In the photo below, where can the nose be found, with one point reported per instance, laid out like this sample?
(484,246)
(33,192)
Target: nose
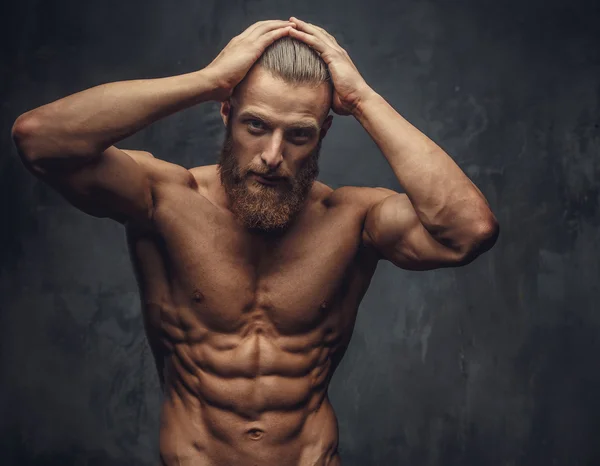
(272,156)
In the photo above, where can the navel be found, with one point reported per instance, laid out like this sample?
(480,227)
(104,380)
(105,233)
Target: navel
(255,434)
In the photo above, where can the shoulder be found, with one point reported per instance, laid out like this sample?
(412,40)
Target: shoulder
(161,171)
(204,175)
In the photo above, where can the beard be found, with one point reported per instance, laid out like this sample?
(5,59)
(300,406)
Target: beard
(265,209)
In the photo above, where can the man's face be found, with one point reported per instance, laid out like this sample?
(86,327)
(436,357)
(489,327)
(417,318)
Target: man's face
(274,129)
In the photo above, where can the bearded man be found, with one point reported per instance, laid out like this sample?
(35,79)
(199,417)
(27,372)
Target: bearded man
(251,271)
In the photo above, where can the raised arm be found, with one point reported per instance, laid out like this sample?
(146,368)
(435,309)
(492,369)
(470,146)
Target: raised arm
(443,219)
(69,143)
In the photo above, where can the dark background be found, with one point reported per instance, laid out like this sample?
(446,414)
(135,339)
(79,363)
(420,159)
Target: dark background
(495,363)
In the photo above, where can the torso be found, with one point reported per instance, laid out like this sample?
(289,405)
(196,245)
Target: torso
(246,331)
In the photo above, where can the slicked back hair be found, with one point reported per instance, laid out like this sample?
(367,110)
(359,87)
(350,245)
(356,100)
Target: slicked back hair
(295,62)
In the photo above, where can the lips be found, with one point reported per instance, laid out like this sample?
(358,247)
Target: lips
(272,180)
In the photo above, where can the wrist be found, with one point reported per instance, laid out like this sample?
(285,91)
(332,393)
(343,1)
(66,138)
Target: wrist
(365,98)
(218,89)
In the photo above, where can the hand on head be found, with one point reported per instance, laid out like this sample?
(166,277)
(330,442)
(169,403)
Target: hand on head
(349,86)
(236,59)
(238,56)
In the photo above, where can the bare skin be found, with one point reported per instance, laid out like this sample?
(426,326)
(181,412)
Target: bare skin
(249,330)
(247,327)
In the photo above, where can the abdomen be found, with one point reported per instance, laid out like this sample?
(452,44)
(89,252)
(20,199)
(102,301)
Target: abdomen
(198,432)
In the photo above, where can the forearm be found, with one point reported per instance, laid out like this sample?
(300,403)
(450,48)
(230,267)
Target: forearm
(86,123)
(444,198)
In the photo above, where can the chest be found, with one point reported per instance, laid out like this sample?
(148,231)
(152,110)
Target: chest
(225,277)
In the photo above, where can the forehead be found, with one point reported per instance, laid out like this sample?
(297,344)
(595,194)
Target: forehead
(263,93)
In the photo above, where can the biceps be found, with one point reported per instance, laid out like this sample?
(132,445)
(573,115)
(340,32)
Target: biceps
(395,231)
(111,185)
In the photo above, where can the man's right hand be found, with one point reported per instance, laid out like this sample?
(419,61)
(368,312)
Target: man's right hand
(236,59)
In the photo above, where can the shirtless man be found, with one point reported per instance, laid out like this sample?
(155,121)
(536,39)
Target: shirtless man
(250,271)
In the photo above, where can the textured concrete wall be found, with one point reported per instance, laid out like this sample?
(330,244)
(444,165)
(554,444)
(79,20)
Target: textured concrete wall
(491,364)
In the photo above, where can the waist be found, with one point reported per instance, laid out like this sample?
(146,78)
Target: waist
(196,431)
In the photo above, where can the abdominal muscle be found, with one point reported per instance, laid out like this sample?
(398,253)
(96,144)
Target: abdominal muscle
(187,436)
(247,335)
(251,398)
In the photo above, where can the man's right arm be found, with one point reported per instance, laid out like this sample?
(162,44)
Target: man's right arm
(69,143)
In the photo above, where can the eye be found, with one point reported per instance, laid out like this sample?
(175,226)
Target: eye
(255,125)
(300,134)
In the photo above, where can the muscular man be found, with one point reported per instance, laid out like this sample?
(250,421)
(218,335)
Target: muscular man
(250,271)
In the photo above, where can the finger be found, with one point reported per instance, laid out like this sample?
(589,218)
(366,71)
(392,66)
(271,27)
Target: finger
(312,29)
(324,32)
(265,26)
(268,27)
(329,35)
(249,29)
(275,23)
(315,42)
(270,37)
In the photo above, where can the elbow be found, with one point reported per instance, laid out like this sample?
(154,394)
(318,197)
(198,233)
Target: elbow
(23,131)
(489,231)
(22,126)
(42,145)
(484,237)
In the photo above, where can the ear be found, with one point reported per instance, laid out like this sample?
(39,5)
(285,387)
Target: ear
(326,125)
(225,110)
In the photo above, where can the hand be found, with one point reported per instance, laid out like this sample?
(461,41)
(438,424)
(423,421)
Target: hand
(349,85)
(238,56)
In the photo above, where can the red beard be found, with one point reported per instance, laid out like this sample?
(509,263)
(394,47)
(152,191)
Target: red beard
(268,209)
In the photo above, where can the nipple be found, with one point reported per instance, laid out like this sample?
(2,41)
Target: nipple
(255,434)
(197,296)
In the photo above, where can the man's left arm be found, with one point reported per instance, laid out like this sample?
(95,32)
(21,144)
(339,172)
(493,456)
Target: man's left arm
(443,219)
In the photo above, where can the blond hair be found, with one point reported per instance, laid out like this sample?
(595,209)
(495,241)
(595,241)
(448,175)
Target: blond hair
(295,62)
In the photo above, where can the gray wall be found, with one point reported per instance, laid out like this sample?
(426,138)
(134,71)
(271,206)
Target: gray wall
(491,364)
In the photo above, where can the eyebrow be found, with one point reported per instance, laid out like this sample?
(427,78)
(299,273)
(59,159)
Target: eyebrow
(301,124)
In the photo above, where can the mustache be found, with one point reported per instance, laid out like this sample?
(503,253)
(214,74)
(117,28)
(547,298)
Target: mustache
(280,174)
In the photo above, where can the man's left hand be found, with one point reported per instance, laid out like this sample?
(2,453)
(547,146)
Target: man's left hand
(349,86)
